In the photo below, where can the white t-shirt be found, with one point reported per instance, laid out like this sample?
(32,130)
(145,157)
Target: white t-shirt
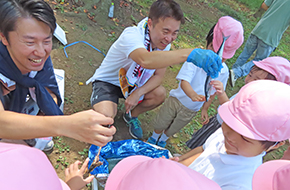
(117,57)
(229,171)
(196,77)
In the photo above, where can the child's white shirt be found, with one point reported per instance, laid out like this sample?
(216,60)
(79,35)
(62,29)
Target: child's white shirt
(229,171)
(196,77)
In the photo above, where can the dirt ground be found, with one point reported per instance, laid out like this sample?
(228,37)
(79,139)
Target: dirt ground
(87,20)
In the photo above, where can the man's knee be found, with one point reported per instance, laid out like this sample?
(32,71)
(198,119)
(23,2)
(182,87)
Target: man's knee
(106,108)
(160,94)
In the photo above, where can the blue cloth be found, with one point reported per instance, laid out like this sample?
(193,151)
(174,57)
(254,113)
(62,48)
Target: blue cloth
(240,67)
(208,60)
(122,149)
(43,78)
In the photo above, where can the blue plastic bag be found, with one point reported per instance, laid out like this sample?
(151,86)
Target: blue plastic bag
(122,149)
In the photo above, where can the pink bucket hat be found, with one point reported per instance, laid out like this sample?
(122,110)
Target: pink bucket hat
(272,175)
(277,66)
(144,173)
(260,111)
(23,167)
(227,26)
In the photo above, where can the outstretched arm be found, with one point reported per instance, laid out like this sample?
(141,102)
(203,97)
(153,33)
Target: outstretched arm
(159,59)
(85,126)
(190,156)
(208,60)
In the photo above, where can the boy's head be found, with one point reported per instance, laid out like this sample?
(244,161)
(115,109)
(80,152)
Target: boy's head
(26,29)
(226,26)
(259,113)
(271,68)
(164,21)
(30,165)
(272,175)
(142,172)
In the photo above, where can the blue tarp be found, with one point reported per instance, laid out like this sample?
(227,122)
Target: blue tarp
(122,149)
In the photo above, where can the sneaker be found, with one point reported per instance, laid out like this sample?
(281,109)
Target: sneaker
(151,140)
(232,78)
(135,128)
(49,146)
(161,144)
(30,142)
(126,117)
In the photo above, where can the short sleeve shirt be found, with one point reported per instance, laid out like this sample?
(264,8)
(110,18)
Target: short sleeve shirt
(131,39)
(196,77)
(229,171)
(274,22)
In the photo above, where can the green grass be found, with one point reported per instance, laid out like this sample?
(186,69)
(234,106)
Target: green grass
(252,4)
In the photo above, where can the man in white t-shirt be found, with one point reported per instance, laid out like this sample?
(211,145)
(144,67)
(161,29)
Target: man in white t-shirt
(143,52)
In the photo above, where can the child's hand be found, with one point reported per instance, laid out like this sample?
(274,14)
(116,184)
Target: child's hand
(74,175)
(198,98)
(219,87)
(204,116)
(176,159)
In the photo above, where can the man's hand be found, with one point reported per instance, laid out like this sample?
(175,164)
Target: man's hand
(88,126)
(132,101)
(208,60)
(74,175)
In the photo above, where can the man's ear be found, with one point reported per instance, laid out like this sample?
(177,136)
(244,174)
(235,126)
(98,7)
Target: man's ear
(3,39)
(150,23)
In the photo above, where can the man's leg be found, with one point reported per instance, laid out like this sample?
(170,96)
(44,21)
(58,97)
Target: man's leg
(250,46)
(151,100)
(104,98)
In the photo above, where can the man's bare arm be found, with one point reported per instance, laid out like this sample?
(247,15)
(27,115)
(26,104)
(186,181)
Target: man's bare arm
(85,126)
(159,59)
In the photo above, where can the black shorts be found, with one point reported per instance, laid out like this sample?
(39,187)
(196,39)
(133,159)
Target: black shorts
(104,91)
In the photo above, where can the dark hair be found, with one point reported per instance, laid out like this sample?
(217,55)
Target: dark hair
(209,36)
(12,10)
(268,144)
(269,76)
(165,8)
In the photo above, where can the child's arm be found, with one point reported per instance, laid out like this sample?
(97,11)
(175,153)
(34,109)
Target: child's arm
(220,92)
(186,87)
(74,175)
(189,157)
(204,115)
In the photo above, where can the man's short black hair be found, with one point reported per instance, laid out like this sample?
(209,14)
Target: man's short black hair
(12,10)
(165,8)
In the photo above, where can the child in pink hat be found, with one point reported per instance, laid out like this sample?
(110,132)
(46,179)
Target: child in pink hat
(145,173)
(184,102)
(272,175)
(271,68)
(27,168)
(255,121)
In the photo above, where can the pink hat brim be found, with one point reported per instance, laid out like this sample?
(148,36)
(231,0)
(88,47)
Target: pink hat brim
(233,122)
(122,169)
